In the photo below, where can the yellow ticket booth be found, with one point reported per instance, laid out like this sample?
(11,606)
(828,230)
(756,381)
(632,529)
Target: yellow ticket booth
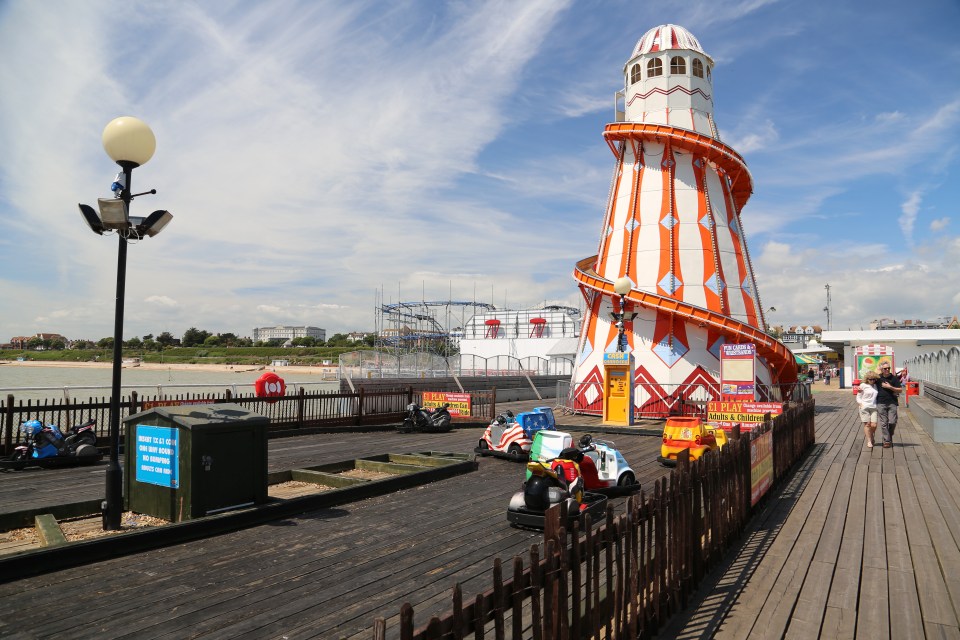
(618,388)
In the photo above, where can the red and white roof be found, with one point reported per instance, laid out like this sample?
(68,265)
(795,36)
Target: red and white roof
(667,36)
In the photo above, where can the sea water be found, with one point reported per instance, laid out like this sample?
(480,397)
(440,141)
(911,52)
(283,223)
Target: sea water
(82,383)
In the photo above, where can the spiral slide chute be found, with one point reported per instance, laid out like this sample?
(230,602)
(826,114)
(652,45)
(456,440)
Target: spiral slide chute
(779,357)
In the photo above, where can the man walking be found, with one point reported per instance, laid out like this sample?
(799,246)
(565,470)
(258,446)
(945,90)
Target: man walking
(888,390)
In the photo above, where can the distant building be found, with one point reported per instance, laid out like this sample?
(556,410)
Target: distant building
(22,342)
(943,322)
(358,336)
(262,334)
(800,335)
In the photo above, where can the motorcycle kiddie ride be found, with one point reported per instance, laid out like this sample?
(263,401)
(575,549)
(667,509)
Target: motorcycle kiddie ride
(48,447)
(426,421)
(551,483)
(604,469)
(511,437)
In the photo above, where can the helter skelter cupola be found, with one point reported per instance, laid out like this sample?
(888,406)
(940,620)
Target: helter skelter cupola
(672,226)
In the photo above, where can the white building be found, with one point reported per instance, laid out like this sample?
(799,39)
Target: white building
(288,333)
(907,344)
(540,340)
(943,322)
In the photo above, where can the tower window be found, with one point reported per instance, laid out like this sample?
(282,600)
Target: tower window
(697,67)
(655,68)
(678,66)
(709,77)
(635,74)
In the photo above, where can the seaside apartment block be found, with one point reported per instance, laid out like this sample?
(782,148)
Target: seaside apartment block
(288,333)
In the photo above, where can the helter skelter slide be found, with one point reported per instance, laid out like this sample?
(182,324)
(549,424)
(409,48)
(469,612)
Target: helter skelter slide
(672,226)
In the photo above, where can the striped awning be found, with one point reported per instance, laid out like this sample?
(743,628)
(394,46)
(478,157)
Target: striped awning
(803,358)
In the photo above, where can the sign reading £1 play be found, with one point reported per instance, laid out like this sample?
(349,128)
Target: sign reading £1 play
(727,414)
(459,402)
(158,456)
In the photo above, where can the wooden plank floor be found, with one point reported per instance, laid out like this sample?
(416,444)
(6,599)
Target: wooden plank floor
(325,574)
(859,543)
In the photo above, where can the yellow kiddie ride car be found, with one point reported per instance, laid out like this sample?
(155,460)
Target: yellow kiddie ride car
(691,434)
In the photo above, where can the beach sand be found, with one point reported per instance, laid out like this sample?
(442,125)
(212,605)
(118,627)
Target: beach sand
(326,371)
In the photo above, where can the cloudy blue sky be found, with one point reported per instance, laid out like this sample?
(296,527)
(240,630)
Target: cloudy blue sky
(315,153)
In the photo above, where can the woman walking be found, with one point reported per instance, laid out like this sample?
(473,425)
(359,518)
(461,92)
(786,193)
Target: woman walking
(867,399)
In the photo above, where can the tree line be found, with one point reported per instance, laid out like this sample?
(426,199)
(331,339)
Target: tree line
(194,337)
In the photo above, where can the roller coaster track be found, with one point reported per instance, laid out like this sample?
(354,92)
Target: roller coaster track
(779,357)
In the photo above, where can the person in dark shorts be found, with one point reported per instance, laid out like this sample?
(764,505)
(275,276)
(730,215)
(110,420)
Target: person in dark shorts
(888,391)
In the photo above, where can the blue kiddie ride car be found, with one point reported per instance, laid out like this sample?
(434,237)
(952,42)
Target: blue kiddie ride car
(510,437)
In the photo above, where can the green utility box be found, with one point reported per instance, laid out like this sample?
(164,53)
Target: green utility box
(189,461)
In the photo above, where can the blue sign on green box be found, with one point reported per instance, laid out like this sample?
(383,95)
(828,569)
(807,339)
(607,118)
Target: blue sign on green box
(158,455)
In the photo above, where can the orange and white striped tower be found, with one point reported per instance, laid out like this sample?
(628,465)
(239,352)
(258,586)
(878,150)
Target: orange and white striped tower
(672,226)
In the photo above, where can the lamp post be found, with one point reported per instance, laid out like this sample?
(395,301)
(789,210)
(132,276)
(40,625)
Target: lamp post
(828,308)
(622,286)
(130,143)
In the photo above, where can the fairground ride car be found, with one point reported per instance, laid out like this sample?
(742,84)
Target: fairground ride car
(604,469)
(689,433)
(510,437)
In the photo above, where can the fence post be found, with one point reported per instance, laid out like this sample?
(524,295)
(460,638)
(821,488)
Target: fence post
(301,401)
(358,419)
(8,426)
(406,621)
(379,629)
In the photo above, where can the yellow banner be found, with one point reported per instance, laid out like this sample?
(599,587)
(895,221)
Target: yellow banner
(719,416)
(459,402)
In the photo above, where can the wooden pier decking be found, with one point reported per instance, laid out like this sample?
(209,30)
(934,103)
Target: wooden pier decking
(323,574)
(856,544)
(860,543)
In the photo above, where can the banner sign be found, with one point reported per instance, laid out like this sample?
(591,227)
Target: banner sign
(871,357)
(616,357)
(727,414)
(459,402)
(171,403)
(761,466)
(737,371)
(158,455)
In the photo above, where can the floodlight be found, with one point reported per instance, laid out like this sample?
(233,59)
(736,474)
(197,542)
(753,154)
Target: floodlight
(155,222)
(113,213)
(91,218)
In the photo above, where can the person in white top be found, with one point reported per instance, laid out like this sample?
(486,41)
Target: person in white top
(867,399)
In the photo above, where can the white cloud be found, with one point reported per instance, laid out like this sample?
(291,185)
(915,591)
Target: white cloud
(910,207)
(939,224)
(755,137)
(162,301)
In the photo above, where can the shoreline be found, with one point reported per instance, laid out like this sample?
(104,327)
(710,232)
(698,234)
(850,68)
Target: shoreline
(322,370)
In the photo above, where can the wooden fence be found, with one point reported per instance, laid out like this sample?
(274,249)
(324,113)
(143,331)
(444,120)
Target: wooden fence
(300,412)
(627,576)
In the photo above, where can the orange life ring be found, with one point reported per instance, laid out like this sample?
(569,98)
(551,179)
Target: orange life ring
(270,386)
